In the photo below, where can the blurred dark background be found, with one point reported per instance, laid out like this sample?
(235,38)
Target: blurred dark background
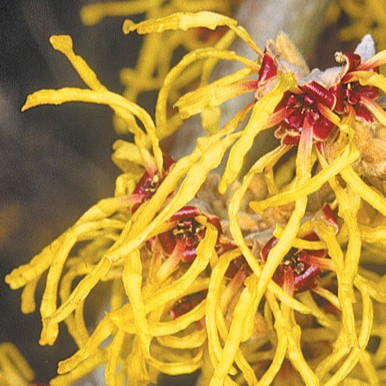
(54,162)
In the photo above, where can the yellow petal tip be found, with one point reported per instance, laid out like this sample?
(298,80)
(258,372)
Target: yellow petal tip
(61,42)
(128,26)
(90,15)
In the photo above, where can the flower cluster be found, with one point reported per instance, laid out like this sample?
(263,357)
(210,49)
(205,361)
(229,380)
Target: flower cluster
(249,282)
(323,98)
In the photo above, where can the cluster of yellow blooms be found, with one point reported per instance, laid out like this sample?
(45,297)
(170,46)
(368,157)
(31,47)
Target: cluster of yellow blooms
(262,274)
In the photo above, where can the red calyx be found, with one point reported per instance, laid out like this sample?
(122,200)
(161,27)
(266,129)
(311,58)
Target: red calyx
(351,59)
(187,231)
(295,262)
(187,303)
(299,107)
(352,91)
(268,69)
(238,265)
(301,265)
(149,183)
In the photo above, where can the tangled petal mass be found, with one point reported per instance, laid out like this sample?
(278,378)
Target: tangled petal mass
(268,271)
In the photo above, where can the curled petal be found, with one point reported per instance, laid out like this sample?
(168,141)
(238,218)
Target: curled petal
(347,157)
(186,20)
(351,60)
(14,369)
(163,123)
(64,44)
(373,197)
(127,156)
(257,122)
(179,20)
(186,366)
(268,69)
(132,281)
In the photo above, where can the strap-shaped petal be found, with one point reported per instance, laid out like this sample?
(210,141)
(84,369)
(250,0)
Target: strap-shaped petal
(257,122)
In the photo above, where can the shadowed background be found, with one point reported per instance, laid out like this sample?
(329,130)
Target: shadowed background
(54,163)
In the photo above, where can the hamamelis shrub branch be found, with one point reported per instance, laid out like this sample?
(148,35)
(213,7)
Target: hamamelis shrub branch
(261,274)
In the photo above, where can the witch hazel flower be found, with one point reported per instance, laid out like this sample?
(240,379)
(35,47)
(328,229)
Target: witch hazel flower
(149,183)
(186,232)
(178,243)
(322,97)
(300,269)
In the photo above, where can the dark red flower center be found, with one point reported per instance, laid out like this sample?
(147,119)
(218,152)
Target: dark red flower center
(301,265)
(149,183)
(187,303)
(313,98)
(297,108)
(297,262)
(187,232)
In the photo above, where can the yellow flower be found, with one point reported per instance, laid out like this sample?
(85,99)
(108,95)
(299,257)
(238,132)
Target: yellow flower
(190,287)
